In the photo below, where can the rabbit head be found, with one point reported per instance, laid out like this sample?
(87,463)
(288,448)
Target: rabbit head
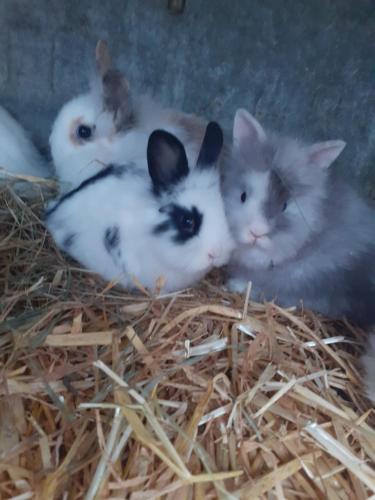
(274,189)
(83,136)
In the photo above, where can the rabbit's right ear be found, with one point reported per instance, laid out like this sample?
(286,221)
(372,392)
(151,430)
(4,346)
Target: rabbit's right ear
(167,161)
(211,146)
(115,87)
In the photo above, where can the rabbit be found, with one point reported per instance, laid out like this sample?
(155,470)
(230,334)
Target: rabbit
(301,233)
(110,125)
(167,221)
(18,155)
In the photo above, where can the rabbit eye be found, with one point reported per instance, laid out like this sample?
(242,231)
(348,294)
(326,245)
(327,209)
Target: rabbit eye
(84,132)
(243,197)
(187,223)
(284,207)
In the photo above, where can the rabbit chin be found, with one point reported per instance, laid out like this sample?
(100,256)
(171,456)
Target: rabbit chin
(253,256)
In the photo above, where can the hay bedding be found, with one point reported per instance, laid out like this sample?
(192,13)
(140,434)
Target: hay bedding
(200,394)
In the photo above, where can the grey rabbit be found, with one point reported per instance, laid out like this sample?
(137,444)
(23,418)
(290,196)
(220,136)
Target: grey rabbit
(301,234)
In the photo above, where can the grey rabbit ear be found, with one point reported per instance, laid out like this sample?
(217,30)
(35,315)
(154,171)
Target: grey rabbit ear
(247,129)
(323,154)
(115,89)
(167,161)
(211,146)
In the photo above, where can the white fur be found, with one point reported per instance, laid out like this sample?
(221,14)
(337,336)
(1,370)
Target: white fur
(75,162)
(128,203)
(18,155)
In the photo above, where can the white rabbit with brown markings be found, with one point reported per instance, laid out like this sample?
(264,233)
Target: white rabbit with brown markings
(111,125)
(166,222)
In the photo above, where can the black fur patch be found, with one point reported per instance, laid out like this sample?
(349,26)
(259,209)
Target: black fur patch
(112,238)
(184,222)
(111,170)
(69,240)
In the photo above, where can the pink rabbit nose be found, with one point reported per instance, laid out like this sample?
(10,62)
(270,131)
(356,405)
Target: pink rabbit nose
(211,255)
(256,236)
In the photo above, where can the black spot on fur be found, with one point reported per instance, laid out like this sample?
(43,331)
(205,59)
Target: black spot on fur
(184,222)
(69,240)
(112,238)
(111,170)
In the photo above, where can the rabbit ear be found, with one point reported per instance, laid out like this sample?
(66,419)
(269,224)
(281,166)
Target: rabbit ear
(323,154)
(211,146)
(115,89)
(247,129)
(167,161)
(103,58)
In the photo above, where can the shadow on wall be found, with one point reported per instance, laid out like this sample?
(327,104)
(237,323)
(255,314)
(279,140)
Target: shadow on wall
(305,67)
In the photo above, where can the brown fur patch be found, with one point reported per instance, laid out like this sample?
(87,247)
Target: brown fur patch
(72,132)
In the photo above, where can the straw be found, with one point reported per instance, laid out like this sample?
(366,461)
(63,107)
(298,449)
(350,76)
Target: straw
(200,393)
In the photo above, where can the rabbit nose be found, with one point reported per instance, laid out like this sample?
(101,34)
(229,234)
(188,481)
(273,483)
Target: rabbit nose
(256,236)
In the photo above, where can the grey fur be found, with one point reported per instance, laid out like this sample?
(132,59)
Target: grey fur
(323,252)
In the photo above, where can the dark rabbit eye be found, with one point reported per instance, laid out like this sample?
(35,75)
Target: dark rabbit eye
(243,197)
(284,207)
(184,222)
(84,132)
(187,223)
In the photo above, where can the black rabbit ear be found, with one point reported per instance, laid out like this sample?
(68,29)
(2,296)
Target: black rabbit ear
(211,146)
(166,158)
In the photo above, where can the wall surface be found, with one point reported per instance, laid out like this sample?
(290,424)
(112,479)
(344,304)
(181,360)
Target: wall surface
(306,67)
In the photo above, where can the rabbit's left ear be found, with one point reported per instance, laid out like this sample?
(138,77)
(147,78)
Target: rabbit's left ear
(115,88)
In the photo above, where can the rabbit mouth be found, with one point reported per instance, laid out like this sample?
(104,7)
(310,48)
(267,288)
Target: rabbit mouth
(259,242)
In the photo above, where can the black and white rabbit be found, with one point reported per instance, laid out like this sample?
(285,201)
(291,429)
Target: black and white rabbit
(166,222)
(110,125)
(301,233)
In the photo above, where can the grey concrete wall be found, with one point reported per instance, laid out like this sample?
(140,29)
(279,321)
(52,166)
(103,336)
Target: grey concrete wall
(304,66)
